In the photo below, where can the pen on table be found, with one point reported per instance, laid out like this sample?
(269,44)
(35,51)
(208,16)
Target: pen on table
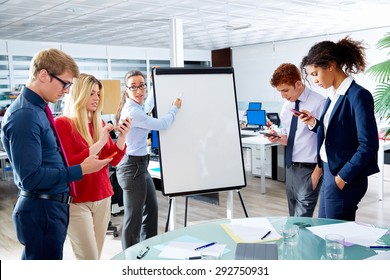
(265,235)
(143,252)
(380,247)
(195,258)
(205,246)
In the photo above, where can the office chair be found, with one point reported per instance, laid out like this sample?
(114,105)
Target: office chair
(117,197)
(274,118)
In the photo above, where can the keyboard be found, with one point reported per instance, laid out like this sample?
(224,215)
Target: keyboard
(154,157)
(250,128)
(245,136)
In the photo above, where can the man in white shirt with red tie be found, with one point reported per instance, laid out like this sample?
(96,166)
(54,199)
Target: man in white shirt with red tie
(303,176)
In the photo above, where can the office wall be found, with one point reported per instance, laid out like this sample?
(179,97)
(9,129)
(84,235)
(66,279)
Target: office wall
(254,65)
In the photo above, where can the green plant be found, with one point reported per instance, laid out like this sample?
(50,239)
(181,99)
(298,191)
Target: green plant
(381,74)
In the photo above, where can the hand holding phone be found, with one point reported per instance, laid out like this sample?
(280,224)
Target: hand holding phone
(269,134)
(297,113)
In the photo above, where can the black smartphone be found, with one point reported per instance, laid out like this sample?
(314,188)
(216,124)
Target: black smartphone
(269,134)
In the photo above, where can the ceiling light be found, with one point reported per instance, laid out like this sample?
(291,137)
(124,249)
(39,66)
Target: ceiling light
(347,2)
(237,27)
(73,10)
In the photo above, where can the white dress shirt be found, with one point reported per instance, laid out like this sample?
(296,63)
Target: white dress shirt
(333,96)
(305,144)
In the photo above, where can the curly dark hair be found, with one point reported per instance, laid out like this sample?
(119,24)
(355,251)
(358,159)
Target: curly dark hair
(347,53)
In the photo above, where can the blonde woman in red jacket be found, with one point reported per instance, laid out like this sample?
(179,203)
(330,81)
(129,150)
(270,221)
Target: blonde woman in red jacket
(82,133)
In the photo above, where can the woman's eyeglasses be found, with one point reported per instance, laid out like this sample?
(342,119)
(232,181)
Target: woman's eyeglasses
(135,88)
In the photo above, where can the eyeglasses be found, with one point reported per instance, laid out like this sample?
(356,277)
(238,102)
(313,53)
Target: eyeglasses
(135,88)
(66,84)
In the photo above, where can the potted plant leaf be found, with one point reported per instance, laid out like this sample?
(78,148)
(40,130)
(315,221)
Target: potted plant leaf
(381,74)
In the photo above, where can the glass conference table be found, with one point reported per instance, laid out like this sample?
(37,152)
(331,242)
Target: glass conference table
(310,246)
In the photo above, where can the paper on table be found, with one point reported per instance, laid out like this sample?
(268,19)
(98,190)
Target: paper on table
(184,250)
(250,230)
(183,238)
(355,233)
(380,256)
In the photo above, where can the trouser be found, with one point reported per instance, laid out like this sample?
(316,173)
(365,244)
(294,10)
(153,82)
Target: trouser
(140,220)
(88,222)
(301,197)
(41,227)
(340,204)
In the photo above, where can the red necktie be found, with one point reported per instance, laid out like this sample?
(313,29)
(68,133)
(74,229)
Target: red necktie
(51,120)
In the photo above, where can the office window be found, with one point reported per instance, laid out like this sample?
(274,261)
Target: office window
(119,68)
(196,64)
(159,63)
(93,66)
(20,69)
(4,74)
(189,64)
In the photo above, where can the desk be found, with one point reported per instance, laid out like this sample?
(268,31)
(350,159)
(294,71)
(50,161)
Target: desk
(255,141)
(310,246)
(383,146)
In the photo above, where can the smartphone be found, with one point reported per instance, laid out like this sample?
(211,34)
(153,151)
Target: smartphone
(296,112)
(269,134)
(111,156)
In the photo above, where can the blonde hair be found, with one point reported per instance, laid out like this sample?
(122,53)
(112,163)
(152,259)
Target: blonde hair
(54,61)
(75,107)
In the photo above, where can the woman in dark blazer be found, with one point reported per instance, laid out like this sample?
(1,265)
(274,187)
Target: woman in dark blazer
(347,131)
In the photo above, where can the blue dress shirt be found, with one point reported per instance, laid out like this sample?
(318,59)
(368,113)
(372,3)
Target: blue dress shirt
(136,138)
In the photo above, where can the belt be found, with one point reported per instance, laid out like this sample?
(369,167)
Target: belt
(57,197)
(304,164)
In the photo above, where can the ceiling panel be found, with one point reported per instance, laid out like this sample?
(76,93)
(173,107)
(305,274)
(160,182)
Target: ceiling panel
(207,24)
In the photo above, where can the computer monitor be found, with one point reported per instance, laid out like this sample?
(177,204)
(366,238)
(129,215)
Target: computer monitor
(256,117)
(154,144)
(254,106)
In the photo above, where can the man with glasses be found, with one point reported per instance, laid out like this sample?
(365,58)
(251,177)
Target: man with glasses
(41,213)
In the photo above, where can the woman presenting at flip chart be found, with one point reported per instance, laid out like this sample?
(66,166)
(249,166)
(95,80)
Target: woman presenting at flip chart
(140,219)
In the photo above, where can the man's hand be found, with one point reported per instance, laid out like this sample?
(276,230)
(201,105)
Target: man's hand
(92,164)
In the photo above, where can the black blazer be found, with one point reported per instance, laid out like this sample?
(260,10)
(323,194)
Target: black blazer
(351,141)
